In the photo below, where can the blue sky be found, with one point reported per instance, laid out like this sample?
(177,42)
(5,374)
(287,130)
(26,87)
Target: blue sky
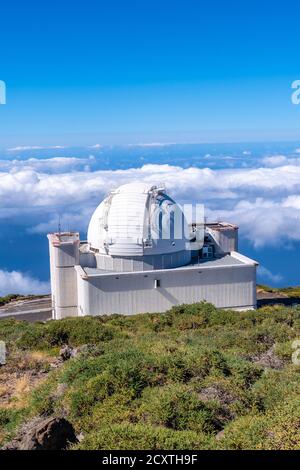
(96,91)
(134,71)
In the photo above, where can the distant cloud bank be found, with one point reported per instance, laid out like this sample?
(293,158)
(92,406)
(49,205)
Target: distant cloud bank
(16,282)
(258,189)
(266,274)
(46,165)
(264,201)
(33,147)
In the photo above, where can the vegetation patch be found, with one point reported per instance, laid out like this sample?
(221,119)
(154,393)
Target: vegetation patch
(193,378)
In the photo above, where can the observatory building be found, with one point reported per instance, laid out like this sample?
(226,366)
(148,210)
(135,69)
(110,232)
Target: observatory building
(141,255)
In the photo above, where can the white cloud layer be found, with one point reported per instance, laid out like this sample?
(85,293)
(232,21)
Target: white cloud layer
(266,274)
(16,282)
(96,146)
(33,147)
(264,201)
(280,160)
(152,144)
(45,165)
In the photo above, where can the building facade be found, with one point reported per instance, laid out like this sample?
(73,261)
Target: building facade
(141,255)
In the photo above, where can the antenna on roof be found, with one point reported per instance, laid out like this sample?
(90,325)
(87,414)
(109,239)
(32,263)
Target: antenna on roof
(59,226)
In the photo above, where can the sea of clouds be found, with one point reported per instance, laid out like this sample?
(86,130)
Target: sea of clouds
(261,194)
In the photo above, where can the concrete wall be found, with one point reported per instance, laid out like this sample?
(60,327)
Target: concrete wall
(137,263)
(88,260)
(64,255)
(226,239)
(131,293)
(52,275)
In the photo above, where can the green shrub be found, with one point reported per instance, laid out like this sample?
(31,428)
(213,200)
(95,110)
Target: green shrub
(176,407)
(11,330)
(9,420)
(115,409)
(94,379)
(244,433)
(167,381)
(83,398)
(274,387)
(137,436)
(244,373)
(8,298)
(278,429)
(72,331)
(43,400)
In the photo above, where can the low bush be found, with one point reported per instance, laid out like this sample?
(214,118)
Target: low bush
(176,407)
(72,331)
(278,429)
(137,436)
(163,381)
(9,421)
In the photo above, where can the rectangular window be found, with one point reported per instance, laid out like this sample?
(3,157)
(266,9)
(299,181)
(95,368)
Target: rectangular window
(207,251)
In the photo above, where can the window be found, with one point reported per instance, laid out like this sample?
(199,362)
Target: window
(207,251)
(156,283)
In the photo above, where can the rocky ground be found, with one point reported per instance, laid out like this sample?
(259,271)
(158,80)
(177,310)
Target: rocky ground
(41,433)
(22,373)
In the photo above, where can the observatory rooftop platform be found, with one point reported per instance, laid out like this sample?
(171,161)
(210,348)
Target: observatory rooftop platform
(228,260)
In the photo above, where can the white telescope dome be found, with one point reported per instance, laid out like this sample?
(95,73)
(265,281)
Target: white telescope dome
(138,219)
